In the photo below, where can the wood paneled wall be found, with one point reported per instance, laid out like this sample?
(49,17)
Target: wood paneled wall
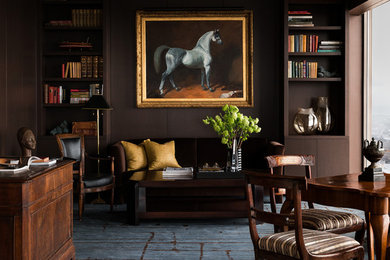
(18,72)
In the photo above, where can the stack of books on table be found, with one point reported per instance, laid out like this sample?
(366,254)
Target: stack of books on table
(330,46)
(300,19)
(178,173)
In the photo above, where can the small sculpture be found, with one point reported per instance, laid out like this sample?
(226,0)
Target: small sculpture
(322,73)
(27,141)
(373,151)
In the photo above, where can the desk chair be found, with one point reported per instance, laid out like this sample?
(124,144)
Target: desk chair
(299,243)
(72,146)
(318,219)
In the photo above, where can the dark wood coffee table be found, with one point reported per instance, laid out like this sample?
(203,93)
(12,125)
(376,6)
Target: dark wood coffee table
(152,197)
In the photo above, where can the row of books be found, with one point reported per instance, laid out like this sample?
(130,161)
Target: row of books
(88,67)
(87,17)
(330,46)
(178,173)
(300,18)
(59,94)
(302,69)
(80,18)
(302,43)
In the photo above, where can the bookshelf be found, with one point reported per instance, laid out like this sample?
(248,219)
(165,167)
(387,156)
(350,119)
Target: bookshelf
(72,53)
(329,21)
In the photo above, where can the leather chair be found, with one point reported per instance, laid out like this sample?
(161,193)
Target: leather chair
(299,243)
(72,146)
(325,220)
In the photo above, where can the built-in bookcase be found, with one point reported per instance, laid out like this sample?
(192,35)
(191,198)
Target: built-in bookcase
(72,53)
(328,20)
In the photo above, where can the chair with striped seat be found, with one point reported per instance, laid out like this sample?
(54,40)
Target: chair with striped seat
(338,222)
(299,243)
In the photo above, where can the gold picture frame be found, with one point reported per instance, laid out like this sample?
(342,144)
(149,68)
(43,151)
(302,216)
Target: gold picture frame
(208,58)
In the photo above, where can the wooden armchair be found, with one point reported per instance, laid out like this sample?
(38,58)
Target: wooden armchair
(325,220)
(72,146)
(299,243)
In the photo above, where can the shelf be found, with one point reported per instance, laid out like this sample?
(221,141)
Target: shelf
(71,28)
(73,80)
(315,53)
(316,28)
(316,137)
(73,53)
(78,2)
(315,79)
(64,105)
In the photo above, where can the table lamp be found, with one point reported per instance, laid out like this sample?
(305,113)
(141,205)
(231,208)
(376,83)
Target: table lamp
(97,102)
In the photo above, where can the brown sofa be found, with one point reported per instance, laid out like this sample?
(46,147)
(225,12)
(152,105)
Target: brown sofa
(194,152)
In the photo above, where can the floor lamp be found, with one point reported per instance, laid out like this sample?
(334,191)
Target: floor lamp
(97,102)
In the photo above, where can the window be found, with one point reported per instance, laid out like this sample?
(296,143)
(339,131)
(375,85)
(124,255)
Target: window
(377,61)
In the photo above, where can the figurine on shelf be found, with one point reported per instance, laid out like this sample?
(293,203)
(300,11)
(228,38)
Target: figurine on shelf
(322,73)
(27,141)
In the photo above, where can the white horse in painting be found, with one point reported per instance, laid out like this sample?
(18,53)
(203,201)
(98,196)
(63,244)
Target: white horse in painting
(197,58)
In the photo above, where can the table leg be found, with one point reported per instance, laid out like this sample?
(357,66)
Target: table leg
(133,203)
(380,227)
(370,238)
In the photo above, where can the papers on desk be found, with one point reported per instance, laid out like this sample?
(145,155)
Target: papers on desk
(15,166)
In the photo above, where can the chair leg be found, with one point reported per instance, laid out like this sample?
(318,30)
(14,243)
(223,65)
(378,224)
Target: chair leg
(112,200)
(81,205)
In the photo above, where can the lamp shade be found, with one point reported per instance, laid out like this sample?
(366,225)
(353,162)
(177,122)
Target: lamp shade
(97,102)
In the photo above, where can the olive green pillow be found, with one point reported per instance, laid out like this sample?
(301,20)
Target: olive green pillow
(160,155)
(135,156)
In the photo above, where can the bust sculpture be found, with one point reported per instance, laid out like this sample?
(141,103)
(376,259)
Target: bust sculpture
(27,141)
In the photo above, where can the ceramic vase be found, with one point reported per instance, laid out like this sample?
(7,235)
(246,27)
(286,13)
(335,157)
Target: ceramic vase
(323,115)
(305,121)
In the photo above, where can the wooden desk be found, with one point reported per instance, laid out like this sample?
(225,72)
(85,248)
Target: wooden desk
(372,197)
(151,196)
(36,213)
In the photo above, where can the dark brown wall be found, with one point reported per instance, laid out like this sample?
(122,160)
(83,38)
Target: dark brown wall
(127,121)
(18,72)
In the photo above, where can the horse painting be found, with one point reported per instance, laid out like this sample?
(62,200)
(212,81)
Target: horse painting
(197,58)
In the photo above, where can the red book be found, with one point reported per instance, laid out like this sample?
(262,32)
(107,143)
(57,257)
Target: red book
(63,70)
(51,94)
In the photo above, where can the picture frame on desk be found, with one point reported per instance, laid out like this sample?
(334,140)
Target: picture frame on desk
(194,58)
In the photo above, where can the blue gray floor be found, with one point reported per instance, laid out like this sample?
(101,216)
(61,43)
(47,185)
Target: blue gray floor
(105,235)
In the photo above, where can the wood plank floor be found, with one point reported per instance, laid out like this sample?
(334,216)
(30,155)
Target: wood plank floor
(102,235)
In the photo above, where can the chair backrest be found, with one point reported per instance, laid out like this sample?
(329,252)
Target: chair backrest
(292,183)
(307,161)
(71,146)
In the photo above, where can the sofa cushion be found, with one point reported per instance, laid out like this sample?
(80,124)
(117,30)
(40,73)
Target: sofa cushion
(135,156)
(160,155)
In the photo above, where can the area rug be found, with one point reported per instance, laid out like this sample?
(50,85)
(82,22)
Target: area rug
(105,235)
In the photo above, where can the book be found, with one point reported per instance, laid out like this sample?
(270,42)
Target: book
(331,42)
(36,161)
(172,172)
(46,93)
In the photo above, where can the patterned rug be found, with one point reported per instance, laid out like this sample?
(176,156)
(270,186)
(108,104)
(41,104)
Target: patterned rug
(102,235)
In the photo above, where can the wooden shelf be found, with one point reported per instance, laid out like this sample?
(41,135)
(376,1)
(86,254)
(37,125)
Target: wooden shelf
(315,53)
(315,79)
(73,53)
(316,136)
(64,105)
(71,28)
(316,28)
(73,80)
(72,2)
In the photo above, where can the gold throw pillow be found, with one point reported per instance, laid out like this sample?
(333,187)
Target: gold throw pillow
(160,155)
(135,156)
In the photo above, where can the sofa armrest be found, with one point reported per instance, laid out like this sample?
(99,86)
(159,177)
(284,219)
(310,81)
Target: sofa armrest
(116,150)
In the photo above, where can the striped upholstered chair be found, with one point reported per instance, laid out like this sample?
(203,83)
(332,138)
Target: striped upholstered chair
(299,243)
(337,222)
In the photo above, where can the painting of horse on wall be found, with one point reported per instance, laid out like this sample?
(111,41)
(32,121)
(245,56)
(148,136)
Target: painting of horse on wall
(194,59)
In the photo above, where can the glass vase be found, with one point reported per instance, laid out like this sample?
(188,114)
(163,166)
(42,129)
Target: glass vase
(305,121)
(323,115)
